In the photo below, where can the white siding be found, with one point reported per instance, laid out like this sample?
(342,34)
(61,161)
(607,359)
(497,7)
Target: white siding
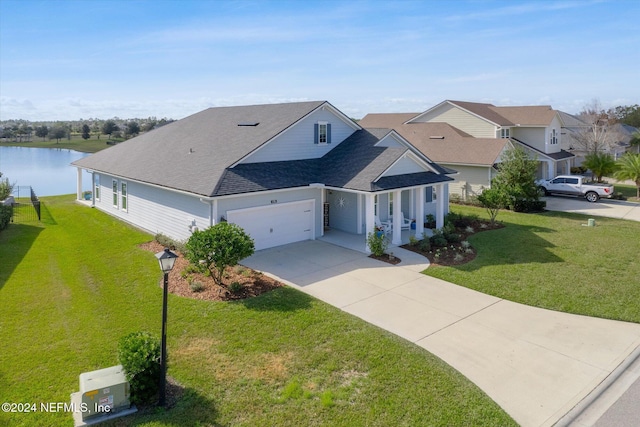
(405,165)
(297,142)
(155,210)
(467,122)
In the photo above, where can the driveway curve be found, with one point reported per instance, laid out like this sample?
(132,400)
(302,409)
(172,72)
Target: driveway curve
(607,208)
(536,364)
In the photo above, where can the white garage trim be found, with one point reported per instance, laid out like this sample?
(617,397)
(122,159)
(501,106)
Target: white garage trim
(277,224)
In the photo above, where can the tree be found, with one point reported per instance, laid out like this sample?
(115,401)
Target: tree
(629,168)
(600,164)
(42,132)
(132,129)
(627,114)
(493,199)
(516,178)
(599,135)
(217,247)
(86,131)
(109,127)
(57,133)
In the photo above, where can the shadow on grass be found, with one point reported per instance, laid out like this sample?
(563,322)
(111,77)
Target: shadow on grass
(281,299)
(513,244)
(15,242)
(186,406)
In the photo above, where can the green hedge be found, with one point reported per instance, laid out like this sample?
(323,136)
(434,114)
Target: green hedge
(6,212)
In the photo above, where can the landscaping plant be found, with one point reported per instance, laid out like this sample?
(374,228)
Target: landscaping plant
(139,355)
(218,247)
(377,242)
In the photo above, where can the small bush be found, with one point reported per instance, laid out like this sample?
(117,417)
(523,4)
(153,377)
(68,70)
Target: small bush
(438,240)
(377,242)
(413,240)
(196,286)
(6,188)
(139,355)
(170,243)
(236,287)
(529,205)
(431,221)
(425,244)
(452,237)
(6,212)
(578,170)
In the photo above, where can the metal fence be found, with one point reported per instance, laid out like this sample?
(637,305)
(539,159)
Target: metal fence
(26,206)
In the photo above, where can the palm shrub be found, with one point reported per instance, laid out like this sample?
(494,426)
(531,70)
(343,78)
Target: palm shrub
(217,247)
(600,164)
(139,355)
(629,168)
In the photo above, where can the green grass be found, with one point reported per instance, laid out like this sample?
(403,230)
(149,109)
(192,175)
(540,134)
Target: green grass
(74,284)
(551,260)
(76,143)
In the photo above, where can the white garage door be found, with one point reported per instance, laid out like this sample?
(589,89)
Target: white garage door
(278,224)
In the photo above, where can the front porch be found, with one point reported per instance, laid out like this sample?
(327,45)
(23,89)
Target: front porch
(357,242)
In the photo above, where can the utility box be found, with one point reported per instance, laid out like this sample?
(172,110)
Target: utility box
(103,393)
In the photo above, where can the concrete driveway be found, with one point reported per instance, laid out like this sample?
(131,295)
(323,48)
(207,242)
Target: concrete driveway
(608,208)
(536,364)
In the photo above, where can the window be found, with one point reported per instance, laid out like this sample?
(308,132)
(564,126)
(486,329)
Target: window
(571,180)
(375,205)
(505,133)
(553,138)
(96,190)
(123,195)
(322,133)
(390,204)
(429,195)
(114,188)
(558,181)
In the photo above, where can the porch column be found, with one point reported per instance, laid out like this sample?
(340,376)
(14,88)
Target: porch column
(441,197)
(93,189)
(420,210)
(79,184)
(397,220)
(551,169)
(359,213)
(369,218)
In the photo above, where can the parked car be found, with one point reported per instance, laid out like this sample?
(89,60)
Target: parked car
(575,185)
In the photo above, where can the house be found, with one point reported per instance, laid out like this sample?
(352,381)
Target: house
(578,135)
(284,172)
(470,138)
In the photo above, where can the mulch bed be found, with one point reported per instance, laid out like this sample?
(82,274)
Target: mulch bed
(386,258)
(455,253)
(253,282)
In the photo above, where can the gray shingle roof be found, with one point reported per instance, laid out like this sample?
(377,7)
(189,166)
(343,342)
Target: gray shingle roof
(196,154)
(192,154)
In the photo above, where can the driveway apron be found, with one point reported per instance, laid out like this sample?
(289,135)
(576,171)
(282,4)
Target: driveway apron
(536,364)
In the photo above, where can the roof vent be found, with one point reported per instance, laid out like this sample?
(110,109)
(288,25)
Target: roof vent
(254,124)
(436,137)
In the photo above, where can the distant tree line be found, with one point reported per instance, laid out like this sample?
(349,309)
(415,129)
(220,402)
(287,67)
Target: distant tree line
(116,128)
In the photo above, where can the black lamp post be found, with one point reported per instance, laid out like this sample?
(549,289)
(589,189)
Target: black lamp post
(166,259)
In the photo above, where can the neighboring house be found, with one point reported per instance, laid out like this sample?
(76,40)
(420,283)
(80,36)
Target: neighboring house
(283,172)
(617,142)
(470,138)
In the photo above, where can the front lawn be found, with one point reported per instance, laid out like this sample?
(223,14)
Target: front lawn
(75,283)
(552,260)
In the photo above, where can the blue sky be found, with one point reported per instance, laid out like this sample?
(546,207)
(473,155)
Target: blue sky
(64,60)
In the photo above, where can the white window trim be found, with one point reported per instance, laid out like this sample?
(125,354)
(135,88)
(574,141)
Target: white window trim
(505,133)
(96,188)
(124,196)
(114,193)
(326,133)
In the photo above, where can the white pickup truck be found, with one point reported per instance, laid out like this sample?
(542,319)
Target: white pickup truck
(575,185)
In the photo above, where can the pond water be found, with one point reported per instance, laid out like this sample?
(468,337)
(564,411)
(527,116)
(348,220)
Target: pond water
(46,170)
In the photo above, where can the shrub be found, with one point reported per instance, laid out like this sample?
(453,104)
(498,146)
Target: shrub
(139,355)
(170,243)
(413,240)
(529,205)
(378,242)
(578,170)
(236,287)
(452,237)
(5,188)
(438,240)
(431,221)
(6,212)
(425,244)
(217,247)
(196,286)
